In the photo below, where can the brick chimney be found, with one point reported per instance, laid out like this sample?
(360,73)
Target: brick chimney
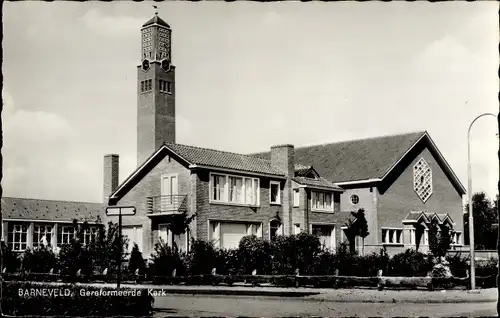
(110,181)
(283,159)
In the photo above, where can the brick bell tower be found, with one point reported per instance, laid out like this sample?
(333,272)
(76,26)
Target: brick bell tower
(155,89)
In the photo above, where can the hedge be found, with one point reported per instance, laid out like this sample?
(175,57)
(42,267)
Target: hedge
(24,298)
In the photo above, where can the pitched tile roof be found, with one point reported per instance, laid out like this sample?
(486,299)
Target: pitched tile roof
(36,209)
(317,183)
(428,216)
(223,159)
(156,19)
(355,160)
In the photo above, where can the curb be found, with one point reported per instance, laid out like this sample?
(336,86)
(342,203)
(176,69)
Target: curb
(237,292)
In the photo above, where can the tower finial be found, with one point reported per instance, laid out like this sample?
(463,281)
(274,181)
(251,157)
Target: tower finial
(156,9)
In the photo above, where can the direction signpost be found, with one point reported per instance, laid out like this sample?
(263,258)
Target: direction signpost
(119,211)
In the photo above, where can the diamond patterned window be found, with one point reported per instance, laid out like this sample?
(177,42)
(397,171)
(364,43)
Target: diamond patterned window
(422,179)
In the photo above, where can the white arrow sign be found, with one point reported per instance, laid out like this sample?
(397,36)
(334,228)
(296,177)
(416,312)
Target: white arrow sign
(120,210)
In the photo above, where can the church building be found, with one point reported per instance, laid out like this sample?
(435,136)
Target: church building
(400,181)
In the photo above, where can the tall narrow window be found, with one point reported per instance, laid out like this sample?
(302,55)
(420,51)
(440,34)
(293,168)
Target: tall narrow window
(150,85)
(142,87)
(169,87)
(296,198)
(274,189)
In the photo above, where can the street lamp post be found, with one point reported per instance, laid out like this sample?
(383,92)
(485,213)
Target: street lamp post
(471,219)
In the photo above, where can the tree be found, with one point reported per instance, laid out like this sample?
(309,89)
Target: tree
(419,233)
(485,220)
(356,228)
(179,223)
(439,238)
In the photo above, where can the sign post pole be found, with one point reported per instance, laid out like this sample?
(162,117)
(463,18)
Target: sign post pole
(120,211)
(118,278)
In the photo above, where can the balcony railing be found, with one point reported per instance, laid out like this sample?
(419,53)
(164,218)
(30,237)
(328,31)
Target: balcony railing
(166,204)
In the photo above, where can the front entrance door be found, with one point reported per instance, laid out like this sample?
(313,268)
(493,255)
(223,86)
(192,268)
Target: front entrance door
(169,192)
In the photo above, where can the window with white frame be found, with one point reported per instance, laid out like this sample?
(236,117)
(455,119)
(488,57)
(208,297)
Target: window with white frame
(234,189)
(296,198)
(456,238)
(65,234)
(274,192)
(326,235)
(392,236)
(89,235)
(322,201)
(275,229)
(17,238)
(296,229)
(42,235)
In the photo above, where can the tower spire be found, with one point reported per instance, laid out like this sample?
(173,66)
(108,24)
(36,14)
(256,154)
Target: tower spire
(156,9)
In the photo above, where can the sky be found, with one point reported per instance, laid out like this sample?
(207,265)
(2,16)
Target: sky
(248,76)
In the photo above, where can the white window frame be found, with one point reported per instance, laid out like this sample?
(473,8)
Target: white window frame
(333,243)
(278,199)
(296,228)
(391,234)
(17,229)
(315,206)
(280,229)
(215,234)
(457,234)
(226,199)
(65,234)
(90,234)
(40,230)
(296,198)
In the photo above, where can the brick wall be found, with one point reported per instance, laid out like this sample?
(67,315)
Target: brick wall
(225,212)
(155,112)
(150,185)
(110,175)
(367,201)
(399,198)
(283,159)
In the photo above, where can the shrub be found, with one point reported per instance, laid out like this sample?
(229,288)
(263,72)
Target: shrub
(74,257)
(324,263)
(255,254)
(136,260)
(487,268)
(227,261)
(165,259)
(409,263)
(370,264)
(458,265)
(11,261)
(201,258)
(39,260)
(73,305)
(295,252)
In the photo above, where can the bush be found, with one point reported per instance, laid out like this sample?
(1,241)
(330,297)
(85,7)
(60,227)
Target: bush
(74,257)
(75,304)
(227,261)
(324,263)
(165,259)
(201,258)
(40,260)
(295,252)
(136,260)
(11,261)
(409,263)
(255,254)
(487,268)
(370,264)
(458,265)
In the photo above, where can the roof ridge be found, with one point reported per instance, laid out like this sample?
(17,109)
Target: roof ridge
(36,199)
(217,150)
(420,132)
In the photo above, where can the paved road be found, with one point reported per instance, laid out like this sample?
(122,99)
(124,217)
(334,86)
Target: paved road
(231,306)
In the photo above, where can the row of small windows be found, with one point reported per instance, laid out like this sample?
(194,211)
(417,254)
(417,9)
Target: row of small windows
(164,86)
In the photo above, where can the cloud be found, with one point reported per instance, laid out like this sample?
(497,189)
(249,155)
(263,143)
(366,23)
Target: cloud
(110,25)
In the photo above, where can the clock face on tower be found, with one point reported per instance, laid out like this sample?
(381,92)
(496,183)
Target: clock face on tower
(165,65)
(145,65)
